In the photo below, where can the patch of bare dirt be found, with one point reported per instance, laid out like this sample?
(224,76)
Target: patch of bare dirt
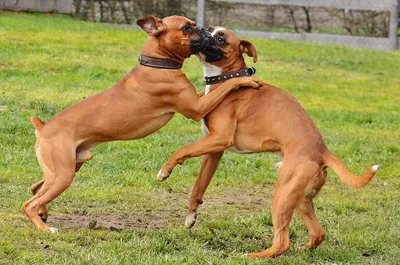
(109,221)
(169,212)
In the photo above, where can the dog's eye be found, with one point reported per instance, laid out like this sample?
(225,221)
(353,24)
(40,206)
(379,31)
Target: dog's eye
(187,29)
(220,39)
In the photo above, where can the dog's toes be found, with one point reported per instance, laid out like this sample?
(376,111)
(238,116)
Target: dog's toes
(304,247)
(53,230)
(255,85)
(190,220)
(259,83)
(161,176)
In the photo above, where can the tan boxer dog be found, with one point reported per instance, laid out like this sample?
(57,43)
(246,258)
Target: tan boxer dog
(265,120)
(138,105)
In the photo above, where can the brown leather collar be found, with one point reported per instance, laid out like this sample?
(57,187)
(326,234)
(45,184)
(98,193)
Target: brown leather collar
(158,62)
(222,78)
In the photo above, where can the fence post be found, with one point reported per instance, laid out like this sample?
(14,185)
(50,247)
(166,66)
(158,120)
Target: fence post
(201,11)
(394,24)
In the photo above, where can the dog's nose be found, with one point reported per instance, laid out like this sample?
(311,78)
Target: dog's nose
(202,30)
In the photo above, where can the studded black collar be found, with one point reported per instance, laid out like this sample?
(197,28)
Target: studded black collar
(222,78)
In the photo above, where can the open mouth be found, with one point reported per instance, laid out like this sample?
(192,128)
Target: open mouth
(212,52)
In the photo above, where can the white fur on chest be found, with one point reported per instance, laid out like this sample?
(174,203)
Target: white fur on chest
(204,128)
(209,70)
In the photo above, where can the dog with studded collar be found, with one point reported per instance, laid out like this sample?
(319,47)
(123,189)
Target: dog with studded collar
(264,120)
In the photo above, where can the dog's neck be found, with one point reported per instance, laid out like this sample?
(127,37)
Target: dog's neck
(213,74)
(210,70)
(153,49)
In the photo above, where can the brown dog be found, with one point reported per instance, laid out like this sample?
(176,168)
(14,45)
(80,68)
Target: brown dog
(265,120)
(138,105)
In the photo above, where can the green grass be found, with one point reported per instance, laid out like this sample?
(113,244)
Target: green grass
(48,62)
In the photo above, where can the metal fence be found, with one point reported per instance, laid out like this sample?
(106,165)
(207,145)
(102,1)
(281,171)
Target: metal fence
(389,43)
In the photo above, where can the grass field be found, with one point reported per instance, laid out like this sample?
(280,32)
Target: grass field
(116,212)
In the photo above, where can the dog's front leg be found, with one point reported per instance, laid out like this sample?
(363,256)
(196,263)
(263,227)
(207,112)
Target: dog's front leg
(209,164)
(212,143)
(195,106)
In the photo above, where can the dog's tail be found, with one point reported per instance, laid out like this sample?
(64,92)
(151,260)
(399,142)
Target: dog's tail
(345,175)
(38,124)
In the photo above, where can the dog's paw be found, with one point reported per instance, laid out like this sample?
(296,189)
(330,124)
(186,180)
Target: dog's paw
(53,230)
(258,82)
(255,83)
(161,176)
(190,220)
(243,82)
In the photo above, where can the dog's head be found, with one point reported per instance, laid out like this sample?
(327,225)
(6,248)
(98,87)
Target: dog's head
(226,49)
(175,36)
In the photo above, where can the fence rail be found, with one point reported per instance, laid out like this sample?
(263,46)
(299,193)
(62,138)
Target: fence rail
(377,5)
(390,43)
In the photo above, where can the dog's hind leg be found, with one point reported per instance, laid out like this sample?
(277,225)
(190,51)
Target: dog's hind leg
(58,165)
(209,164)
(36,186)
(81,157)
(306,211)
(289,191)
(43,213)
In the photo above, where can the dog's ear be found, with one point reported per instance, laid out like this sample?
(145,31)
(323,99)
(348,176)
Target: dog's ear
(248,48)
(152,25)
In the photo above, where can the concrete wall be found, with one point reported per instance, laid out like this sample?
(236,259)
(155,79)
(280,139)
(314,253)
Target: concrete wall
(58,6)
